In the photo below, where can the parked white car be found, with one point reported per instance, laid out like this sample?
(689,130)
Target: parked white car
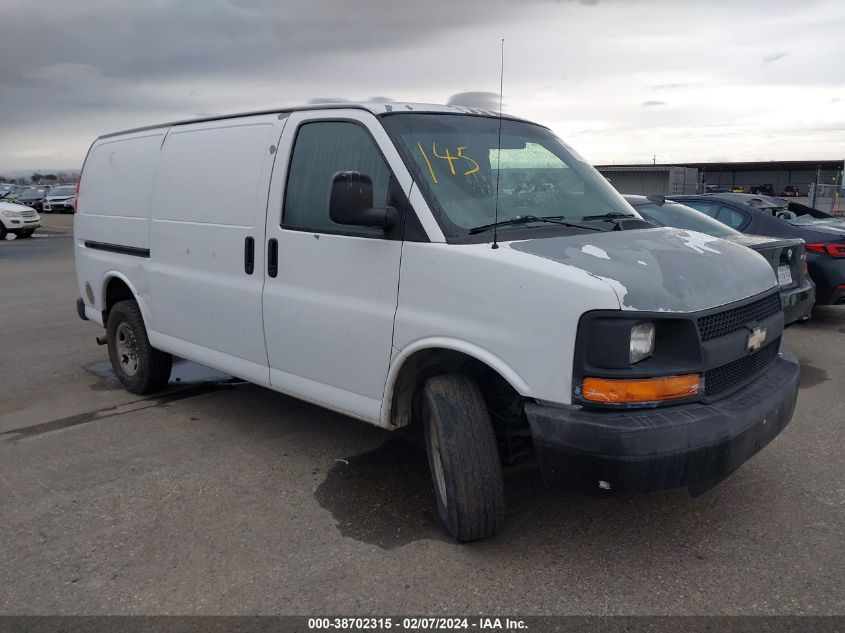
(18,219)
(434,265)
(60,199)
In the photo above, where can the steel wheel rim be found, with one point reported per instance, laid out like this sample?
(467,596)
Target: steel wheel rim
(127,349)
(437,464)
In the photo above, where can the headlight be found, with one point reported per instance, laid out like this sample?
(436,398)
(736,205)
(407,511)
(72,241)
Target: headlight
(11,214)
(642,342)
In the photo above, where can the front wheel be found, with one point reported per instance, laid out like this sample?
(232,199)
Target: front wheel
(463,458)
(140,367)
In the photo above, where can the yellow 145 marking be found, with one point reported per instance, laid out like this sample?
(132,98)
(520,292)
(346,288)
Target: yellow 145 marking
(450,159)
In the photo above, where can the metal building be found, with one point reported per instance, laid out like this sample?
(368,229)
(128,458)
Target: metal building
(665,179)
(645,180)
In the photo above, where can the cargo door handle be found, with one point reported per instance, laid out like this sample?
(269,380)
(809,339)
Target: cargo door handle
(249,255)
(273,257)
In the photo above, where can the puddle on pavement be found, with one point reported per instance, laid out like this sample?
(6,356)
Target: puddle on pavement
(383,497)
(811,376)
(184,372)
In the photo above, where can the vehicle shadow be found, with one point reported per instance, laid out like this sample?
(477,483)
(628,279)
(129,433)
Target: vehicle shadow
(376,486)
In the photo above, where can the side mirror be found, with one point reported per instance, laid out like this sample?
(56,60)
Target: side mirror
(351,202)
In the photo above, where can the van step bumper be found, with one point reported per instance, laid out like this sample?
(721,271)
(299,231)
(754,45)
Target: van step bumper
(645,450)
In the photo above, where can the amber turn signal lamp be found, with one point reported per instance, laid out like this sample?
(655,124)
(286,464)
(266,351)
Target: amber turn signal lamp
(621,391)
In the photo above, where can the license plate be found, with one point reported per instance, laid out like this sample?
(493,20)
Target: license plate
(784,275)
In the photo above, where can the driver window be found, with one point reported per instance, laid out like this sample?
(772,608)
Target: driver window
(321,150)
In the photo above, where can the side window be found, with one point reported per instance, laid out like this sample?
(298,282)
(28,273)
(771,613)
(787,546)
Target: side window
(322,149)
(733,218)
(705,207)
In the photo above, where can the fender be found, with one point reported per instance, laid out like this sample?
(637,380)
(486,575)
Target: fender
(441,342)
(139,298)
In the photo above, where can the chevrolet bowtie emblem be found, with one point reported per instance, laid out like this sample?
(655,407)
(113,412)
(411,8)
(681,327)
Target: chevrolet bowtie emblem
(756,339)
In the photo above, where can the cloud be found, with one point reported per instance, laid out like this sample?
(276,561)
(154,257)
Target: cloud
(674,86)
(118,65)
(321,100)
(768,60)
(483,100)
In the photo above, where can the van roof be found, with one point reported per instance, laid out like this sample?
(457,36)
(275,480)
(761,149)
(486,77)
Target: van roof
(376,107)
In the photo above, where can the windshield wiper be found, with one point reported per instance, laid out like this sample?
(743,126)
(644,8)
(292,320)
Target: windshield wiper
(613,215)
(525,219)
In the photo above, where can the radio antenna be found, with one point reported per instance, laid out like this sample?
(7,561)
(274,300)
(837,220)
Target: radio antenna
(499,149)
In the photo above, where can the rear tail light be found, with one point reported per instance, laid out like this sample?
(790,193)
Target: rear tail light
(835,249)
(75,202)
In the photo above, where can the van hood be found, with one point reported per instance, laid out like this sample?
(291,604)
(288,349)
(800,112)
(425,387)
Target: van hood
(663,269)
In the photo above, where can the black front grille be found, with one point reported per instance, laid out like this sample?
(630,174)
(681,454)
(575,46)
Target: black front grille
(740,371)
(722,323)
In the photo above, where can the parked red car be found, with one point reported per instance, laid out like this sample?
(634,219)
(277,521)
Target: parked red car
(790,191)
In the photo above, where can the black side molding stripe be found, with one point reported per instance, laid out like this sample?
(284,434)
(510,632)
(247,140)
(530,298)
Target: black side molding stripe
(117,248)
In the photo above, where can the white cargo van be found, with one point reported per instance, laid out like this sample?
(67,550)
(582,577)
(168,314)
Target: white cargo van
(347,255)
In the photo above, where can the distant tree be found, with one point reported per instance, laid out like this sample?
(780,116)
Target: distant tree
(50,177)
(67,176)
(36,178)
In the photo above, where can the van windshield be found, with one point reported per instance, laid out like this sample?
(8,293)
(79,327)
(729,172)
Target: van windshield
(455,160)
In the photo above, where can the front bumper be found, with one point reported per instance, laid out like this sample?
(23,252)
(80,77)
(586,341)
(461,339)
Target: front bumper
(797,303)
(642,450)
(19,225)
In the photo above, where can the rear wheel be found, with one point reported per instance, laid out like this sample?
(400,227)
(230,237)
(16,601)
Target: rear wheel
(463,458)
(140,367)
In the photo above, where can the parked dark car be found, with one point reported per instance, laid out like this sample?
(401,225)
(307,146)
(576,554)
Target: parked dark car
(786,255)
(761,190)
(33,197)
(823,233)
(790,191)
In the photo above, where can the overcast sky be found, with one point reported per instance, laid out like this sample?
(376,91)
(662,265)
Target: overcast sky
(621,80)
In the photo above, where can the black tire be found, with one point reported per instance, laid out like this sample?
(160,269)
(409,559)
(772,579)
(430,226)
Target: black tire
(3,232)
(151,367)
(458,432)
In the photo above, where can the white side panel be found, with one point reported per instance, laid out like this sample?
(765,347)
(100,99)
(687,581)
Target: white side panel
(516,312)
(119,174)
(210,196)
(113,208)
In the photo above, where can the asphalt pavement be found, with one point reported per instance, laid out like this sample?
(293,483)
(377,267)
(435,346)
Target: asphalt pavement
(220,497)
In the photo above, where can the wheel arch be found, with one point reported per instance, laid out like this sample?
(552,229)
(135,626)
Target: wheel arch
(424,359)
(117,287)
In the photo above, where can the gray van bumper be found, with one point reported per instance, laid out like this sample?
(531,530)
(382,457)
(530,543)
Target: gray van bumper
(641,450)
